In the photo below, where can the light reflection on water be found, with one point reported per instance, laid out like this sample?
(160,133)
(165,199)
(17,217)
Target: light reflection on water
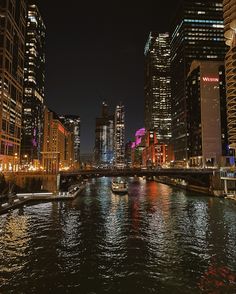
(154,240)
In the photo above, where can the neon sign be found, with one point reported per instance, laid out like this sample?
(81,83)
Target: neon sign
(210,79)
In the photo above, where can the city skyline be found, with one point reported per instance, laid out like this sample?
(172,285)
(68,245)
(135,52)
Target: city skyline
(84,70)
(118,146)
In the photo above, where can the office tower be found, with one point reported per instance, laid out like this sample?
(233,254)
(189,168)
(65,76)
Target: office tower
(34,83)
(12,44)
(230,63)
(207,118)
(58,146)
(104,138)
(72,123)
(119,136)
(197,34)
(157,86)
(128,153)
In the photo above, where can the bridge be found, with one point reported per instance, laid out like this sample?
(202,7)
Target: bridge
(180,172)
(192,176)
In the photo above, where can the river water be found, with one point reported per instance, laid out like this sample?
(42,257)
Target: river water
(156,240)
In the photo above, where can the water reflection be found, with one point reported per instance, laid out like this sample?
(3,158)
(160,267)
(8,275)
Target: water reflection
(154,240)
(14,242)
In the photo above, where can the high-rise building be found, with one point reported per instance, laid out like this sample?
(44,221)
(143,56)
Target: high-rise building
(34,83)
(197,34)
(157,86)
(207,118)
(72,123)
(12,47)
(119,136)
(128,154)
(104,138)
(230,64)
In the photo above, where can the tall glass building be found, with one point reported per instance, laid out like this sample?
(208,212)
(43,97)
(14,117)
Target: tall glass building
(197,34)
(104,138)
(12,47)
(230,35)
(157,86)
(119,138)
(34,85)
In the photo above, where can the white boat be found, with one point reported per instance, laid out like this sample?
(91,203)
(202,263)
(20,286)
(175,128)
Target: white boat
(119,186)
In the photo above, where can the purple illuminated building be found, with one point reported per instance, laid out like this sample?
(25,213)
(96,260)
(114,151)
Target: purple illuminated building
(137,147)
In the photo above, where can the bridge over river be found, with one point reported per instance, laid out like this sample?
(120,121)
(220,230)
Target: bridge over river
(203,178)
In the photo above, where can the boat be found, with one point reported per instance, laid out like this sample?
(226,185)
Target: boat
(119,186)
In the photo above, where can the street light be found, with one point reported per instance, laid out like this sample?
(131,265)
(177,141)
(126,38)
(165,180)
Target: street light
(25,162)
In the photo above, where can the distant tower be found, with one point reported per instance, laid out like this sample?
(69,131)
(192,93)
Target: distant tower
(230,35)
(72,123)
(104,138)
(119,141)
(157,86)
(34,85)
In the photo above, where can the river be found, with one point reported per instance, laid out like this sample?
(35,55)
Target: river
(157,239)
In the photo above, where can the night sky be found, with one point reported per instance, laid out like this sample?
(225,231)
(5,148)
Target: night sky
(94,52)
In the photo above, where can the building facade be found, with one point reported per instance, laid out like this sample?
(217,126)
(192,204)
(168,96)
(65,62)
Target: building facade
(156,154)
(197,34)
(230,63)
(207,116)
(104,138)
(119,136)
(58,144)
(34,86)
(157,86)
(137,148)
(128,154)
(72,123)
(12,49)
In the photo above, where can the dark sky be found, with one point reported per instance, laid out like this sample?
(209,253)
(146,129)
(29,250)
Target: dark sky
(94,52)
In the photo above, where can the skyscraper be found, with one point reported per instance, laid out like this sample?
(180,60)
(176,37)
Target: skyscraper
(207,121)
(34,83)
(197,34)
(119,137)
(104,138)
(12,44)
(230,34)
(72,123)
(157,86)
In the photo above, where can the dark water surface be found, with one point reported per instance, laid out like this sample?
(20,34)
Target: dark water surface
(156,240)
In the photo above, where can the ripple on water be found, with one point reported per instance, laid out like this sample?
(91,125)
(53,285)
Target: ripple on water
(156,240)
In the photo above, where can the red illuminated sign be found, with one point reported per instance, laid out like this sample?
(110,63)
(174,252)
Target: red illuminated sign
(210,79)
(61,129)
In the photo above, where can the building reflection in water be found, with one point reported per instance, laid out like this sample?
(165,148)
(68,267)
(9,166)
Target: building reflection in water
(13,234)
(115,219)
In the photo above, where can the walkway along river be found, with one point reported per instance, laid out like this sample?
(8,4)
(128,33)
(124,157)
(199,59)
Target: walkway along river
(157,239)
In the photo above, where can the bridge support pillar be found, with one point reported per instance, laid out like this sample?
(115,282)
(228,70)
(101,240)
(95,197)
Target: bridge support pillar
(225,187)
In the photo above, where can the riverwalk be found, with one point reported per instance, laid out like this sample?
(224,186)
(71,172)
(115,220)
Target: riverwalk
(22,199)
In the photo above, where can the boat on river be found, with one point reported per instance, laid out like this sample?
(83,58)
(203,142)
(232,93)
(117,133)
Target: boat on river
(119,186)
